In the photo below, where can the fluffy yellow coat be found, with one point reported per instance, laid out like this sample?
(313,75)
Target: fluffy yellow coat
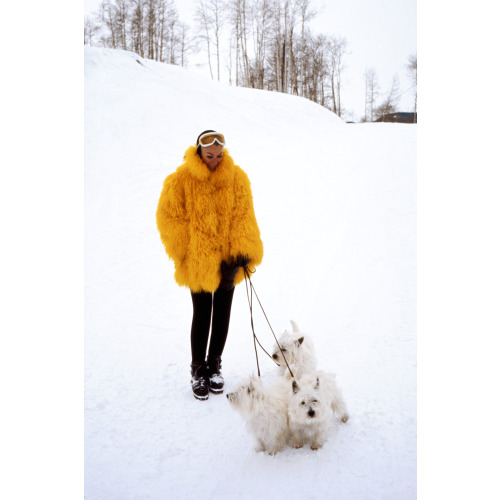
(206,217)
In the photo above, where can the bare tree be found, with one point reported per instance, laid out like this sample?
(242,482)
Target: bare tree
(390,102)
(229,65)
(371,92)
(412,71)
(277,47)
(218,12)
(210,19)
(185,43)
(91,28)
(306,15)
(240,17)
(151,29)
(261,18)
(175,35)
(337,50)
(281,31)
(121,14)
(205,21)
(162,23)
(137,27)
(243,31)
(234,7)
(106,13)
(314,66)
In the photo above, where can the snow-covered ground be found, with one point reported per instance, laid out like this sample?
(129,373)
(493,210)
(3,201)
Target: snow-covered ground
(336,205)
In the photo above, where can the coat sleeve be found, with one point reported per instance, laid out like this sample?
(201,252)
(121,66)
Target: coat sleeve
(171,219)
(245,234)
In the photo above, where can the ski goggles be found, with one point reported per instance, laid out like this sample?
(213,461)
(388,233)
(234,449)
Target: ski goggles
(211,138)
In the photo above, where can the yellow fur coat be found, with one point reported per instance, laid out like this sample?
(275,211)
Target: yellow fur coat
(206,217)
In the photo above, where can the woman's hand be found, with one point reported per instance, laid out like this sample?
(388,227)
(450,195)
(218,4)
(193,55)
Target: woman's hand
(228,270)
(242,261)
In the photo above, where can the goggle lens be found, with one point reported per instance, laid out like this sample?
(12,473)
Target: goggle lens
(211,138)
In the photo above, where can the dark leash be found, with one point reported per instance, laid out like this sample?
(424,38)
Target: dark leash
(250,294)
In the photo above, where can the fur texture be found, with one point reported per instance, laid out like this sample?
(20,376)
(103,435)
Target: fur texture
(206,217)
(264,410)
(310,415)
(326,384)
(298,351)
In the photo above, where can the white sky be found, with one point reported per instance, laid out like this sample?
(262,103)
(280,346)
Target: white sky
(381,34)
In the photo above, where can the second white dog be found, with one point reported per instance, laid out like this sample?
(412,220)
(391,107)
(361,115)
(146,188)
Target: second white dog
(298,351)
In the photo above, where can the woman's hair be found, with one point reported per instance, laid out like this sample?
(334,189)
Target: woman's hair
(198,147)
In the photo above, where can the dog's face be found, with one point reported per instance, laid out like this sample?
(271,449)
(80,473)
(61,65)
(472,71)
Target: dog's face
(290,346)
(245,395)
(306,405)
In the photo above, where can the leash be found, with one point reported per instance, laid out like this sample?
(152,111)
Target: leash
(255,339)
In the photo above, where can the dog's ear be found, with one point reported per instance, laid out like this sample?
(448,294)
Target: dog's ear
(299,341)
(295,387)
(255,389)
(317,383)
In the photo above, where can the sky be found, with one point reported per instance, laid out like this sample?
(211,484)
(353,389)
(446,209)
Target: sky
(381,34)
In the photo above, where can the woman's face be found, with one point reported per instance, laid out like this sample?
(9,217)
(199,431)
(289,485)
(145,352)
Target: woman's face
(212,156)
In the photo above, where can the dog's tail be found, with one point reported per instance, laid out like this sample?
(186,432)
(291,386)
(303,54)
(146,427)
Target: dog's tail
(295,328)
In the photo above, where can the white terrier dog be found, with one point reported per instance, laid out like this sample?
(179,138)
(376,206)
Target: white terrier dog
(264,410)
(311,407)
(298,351)
(326,384)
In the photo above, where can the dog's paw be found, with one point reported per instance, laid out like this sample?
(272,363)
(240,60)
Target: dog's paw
(297,444)
(345,418)
(316,445)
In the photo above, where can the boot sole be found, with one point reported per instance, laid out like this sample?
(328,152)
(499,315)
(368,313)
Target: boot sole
(201,398)
(216,391)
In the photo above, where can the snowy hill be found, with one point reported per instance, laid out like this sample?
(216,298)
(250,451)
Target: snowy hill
(336,205)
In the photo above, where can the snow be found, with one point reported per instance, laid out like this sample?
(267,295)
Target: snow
(336,205)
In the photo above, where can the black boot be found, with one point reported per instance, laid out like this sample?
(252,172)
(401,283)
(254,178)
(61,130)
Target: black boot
(215,380)
(199,382)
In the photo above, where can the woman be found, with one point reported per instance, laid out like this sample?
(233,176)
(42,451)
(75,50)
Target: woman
(207,224)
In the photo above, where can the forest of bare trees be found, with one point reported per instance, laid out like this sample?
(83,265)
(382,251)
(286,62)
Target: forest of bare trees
(263,44)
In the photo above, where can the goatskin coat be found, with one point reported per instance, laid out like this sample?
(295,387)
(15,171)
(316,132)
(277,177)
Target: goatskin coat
(206,217)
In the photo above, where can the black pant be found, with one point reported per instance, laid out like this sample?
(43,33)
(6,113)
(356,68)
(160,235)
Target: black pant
(206,307)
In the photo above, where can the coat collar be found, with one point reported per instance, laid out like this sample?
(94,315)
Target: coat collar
(224,173)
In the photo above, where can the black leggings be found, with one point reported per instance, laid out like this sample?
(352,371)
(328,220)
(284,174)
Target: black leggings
(203,304)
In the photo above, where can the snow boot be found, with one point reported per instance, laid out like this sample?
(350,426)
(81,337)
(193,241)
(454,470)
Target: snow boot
(199,382)
(215,380)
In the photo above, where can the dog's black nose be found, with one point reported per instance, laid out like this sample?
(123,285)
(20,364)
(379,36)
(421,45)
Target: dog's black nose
(275,356)
(311,412)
